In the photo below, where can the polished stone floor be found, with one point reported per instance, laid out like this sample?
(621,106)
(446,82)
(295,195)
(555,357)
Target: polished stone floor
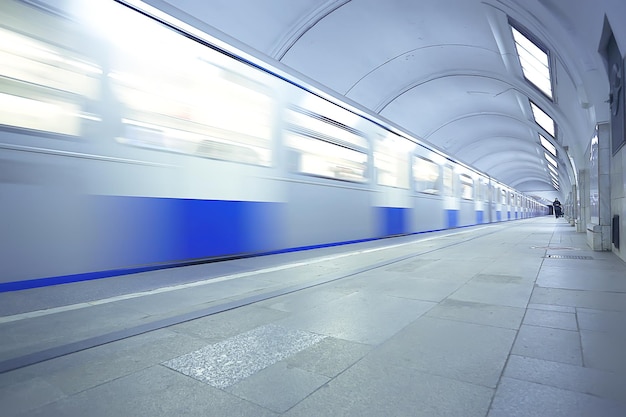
(504,320)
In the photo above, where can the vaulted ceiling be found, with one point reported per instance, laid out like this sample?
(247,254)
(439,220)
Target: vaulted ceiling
(445,70)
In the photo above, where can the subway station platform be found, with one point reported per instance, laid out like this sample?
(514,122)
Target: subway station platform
(503,320)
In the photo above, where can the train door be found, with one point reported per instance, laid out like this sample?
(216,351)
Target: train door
(451,201)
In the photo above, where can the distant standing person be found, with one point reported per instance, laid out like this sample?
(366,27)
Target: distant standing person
(557,208)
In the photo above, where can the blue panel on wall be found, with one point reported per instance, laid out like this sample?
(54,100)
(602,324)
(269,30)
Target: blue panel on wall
(392,220)
(453,218)
(480,215)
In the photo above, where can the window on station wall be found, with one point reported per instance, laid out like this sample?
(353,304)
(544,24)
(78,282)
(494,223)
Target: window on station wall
(543,119)
(594,180)
(548,124)
(391,159)
(534,59)
(322,146)
(547,145)
(467,187)
(504,197)
(426,175)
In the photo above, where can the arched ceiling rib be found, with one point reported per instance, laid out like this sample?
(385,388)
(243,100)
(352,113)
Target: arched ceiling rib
(445,70)
(304,23)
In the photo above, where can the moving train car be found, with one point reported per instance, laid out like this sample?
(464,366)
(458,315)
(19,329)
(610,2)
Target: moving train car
(152,145)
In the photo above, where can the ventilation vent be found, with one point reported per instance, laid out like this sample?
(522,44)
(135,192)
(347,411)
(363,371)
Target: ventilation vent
(569,257)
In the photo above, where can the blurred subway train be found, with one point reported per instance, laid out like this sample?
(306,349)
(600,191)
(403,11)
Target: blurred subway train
(149,144)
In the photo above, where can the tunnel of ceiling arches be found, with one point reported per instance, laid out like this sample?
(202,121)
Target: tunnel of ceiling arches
(483,80)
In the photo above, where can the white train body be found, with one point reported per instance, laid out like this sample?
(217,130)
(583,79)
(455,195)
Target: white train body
(121,153)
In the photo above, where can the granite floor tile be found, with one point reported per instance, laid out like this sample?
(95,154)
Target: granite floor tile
(554,319)
(453,269)
(524,267)
(463,351)
(228,362)
(278,387)
(574,298)
(415,287)
(89,368)
(512,294)
(157,392)
(552,307)
(411,266)
(370,389)
(577,279)
(303,300)
(604,350)
(478,313)
(604,384)
(516,398)
(602,320)
(363,317)
(549,344)
(329,357)
(229,323)
(29,395)
(32,335)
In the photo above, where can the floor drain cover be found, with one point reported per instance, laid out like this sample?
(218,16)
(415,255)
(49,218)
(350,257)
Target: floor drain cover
(568,257)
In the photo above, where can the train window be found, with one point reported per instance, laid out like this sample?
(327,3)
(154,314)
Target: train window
(310,123)
(45,84)
(481,190)
(486,193)
(180,96)
(467,187)
(323,146)
(391,159)
(328,121)
(448,181)
(426,175)
(317,157)
(202,118)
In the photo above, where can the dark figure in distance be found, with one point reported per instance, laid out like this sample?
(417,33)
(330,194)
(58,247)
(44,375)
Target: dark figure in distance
(557,208)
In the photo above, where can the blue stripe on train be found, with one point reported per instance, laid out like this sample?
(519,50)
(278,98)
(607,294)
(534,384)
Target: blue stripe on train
(452,218)
(163,229)
(392,220)
(136,234)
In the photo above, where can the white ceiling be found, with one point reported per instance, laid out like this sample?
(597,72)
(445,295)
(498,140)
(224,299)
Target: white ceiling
(445,70)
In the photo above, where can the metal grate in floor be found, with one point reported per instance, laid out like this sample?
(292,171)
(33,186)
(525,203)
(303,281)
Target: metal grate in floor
(569,257)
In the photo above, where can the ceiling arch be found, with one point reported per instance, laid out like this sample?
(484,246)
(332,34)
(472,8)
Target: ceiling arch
(418,65)
(299,28)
